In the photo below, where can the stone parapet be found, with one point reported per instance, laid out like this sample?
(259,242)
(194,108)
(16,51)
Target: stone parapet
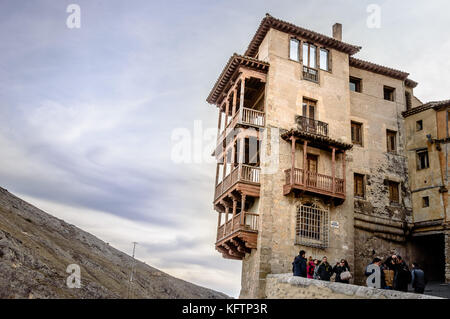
(286,286)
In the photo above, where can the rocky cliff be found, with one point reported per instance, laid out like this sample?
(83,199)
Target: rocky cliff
(36,248)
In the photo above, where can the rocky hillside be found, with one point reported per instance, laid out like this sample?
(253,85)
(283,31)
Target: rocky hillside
(36,248)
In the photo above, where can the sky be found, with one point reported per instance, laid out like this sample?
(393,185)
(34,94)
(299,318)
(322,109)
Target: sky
(91,118)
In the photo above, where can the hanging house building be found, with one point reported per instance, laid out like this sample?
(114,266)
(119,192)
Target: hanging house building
(358,165)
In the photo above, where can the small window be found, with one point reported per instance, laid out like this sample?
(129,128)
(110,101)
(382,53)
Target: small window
(359,185)
(393,193)
(324,59)
(389,93)
(294,46)
(408,100)
(355,84)
(426,201)
(419,125)
(422,159)
(391,137)
(356,133)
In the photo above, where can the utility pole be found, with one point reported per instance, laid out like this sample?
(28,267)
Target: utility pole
(130,283)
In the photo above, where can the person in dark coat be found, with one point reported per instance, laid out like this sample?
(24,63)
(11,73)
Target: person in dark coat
(418,279)
(402,275)
(325,270)
(299,265)
(341,267)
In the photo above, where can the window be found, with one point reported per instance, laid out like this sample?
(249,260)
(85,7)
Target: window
(422,159)
(309,108)
(324,59)
(426,201)
(359,185)
(356,133)
(419,125)
(388,93)
(355,84)
(310,62)
(391,137)
(312,226)
(408,100)
(294,46)
(393,192)
(309,55)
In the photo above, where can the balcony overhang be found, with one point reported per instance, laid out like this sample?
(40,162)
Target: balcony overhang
(316,140)
(230,72)
(238,236)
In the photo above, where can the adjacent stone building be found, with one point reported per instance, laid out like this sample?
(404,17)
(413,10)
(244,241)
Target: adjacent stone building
(318,150)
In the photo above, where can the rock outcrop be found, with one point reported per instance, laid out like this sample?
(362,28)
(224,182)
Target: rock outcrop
(36,248)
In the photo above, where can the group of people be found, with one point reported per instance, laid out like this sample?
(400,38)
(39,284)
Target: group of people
(396,275)
(394,272)
(313,269)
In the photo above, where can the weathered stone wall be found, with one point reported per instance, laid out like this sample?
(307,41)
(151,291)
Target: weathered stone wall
(285,286)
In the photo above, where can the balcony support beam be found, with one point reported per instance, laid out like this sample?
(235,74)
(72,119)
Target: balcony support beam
(343,169)
(305,146)
(293,139)
(241,99)
(242,210)
(234,213)
(333,169)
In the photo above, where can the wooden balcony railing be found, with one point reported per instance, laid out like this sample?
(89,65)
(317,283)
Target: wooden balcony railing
(310,74)
(247,222)
(249,117)
(312,126)
(313,181)
(241,173)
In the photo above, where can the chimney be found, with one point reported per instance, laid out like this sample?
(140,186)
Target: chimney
(337,31)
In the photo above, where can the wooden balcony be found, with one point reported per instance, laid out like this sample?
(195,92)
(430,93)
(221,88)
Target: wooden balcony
(310,74)
(314,183)
(248,117)
(243,177)
(238,236)
(308,125)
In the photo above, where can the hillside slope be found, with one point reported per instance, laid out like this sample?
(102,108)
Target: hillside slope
(36,248)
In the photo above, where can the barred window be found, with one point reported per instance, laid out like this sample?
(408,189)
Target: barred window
(312,226)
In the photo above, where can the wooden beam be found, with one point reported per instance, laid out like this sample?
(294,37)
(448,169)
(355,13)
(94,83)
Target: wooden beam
(333,168)
(305,145)
(293,139)
(343,170)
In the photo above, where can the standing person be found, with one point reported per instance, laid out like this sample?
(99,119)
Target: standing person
(342,271)
(310,268)
(418,279)
(388,269)
(377,261)
(316,269)
(325,270)
(402,275)
(299,265)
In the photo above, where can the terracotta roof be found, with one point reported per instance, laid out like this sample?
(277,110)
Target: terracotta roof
(271,22)
(318,140)
(233,63)
(435,105)
(376,68)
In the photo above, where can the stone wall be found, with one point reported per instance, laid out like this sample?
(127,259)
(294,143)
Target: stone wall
(286,286)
